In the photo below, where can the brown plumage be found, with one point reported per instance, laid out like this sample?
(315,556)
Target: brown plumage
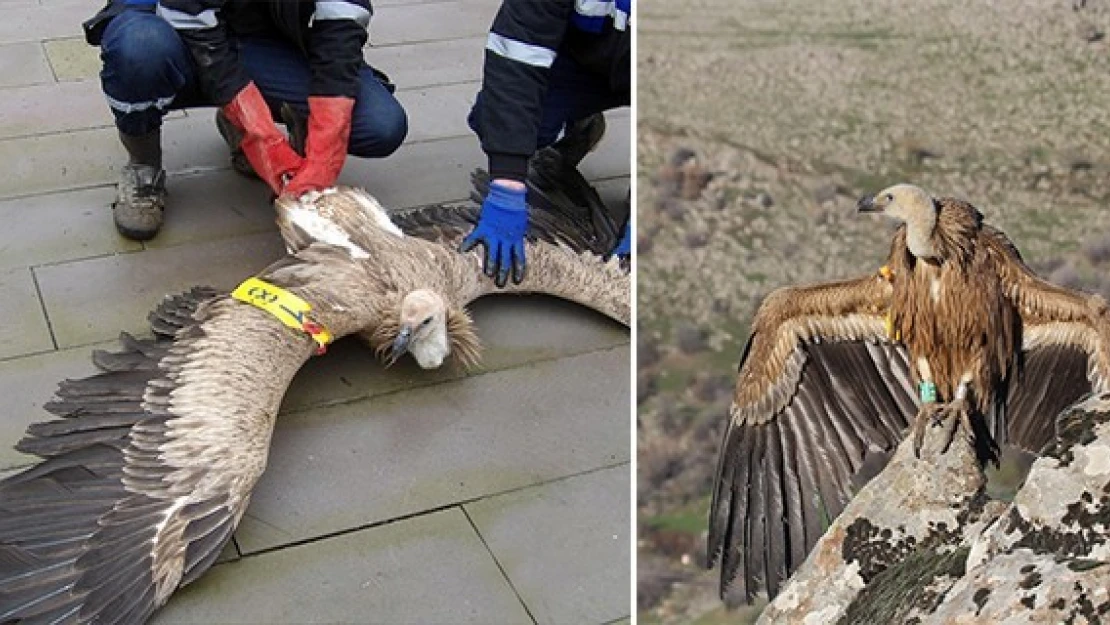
(151,464)
(826,389)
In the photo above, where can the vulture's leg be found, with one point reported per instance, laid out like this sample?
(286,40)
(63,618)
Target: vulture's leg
(949,416)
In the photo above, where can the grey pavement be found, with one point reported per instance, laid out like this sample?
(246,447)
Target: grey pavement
(391,496)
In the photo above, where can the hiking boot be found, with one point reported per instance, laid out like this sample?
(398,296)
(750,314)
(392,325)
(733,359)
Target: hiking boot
(233,137)
(140,201)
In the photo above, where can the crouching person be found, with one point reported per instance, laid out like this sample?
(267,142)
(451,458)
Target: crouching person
(551,69)
(248,59)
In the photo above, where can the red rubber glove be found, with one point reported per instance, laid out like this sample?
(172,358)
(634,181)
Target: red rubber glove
(265,146)
(329,130)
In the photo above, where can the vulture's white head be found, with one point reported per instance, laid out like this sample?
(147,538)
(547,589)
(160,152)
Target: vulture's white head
(427,326)
(422,329)
(910,205)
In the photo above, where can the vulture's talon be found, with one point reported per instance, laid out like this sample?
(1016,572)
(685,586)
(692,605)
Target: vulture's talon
(950,416)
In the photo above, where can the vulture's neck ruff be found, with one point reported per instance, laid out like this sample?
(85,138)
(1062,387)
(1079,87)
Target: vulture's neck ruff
(451,336)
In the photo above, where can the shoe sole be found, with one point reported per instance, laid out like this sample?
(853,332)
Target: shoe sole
(136,235)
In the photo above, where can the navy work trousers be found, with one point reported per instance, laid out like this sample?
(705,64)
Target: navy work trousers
(148,71)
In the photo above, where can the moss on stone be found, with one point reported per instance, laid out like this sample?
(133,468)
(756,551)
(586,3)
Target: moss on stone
(905,587)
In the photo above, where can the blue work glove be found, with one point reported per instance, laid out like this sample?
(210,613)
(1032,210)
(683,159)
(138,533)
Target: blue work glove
(624,246)
(501,227)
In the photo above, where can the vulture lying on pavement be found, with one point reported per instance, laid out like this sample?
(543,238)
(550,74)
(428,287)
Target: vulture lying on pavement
(151,464)
(955,331)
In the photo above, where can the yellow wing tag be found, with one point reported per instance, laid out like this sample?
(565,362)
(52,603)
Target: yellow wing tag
(288,308)
(894,334)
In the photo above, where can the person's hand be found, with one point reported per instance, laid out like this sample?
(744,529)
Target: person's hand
(501,227)
(267,149)
(329,131)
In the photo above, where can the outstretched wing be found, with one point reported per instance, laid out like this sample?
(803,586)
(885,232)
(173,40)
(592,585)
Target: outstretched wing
(150,466)
(823,395)
(565,258)
(1065,348)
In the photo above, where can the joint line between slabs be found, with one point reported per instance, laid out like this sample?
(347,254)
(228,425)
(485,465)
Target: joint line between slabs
(492,555)
(42,306)
(410,515)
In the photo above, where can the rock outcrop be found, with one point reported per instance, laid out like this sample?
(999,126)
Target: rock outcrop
(922,543)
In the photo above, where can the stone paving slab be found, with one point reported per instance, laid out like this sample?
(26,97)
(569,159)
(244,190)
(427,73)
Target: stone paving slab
(90,301)
(393,25)
(438,445)
(565,545)
(59,227)
(429,569)
(29,382)
(72,58)
(443,167)
(56,107)
(430,63)
(210,206)
(507,326)
(92,156)
(410,66)
(58,162)
(23,64)
(426,106)
(53,107)
(25,330)
(36,23)
(83,8)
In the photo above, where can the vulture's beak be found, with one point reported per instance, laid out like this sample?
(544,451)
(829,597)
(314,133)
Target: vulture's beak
(400,345)
(866,204)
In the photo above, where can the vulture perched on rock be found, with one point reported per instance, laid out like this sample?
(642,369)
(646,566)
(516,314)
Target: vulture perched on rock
(954,331)
(150,465)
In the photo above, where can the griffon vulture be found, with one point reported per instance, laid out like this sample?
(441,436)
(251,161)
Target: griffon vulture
(151,464)
(955,330)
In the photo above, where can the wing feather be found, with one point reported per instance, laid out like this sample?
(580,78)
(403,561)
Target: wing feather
(777,530)
(821,388)
(1055,373)
(138,492)
(1065,347)
(730,505)
(792,486)
(755,543)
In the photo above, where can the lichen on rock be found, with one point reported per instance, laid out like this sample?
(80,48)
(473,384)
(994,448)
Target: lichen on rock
(922,544)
